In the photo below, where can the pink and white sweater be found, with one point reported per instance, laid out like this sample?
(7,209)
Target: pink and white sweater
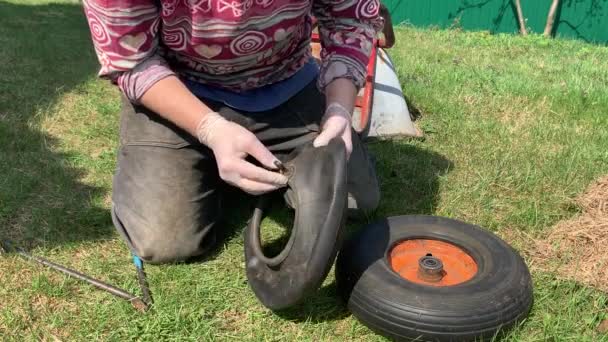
(231,44)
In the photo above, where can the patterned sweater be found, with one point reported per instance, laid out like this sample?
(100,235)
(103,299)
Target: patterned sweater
(235,45)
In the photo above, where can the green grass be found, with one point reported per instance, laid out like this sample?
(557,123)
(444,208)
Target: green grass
(515,129)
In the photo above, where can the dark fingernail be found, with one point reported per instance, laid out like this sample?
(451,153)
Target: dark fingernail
(279,165)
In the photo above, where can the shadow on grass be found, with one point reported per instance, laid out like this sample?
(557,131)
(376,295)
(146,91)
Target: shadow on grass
(415,112)
(324,305)
(409,177)
(46,52)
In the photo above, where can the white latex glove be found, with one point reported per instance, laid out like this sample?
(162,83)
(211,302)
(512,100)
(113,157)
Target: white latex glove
(231,144)
(336,122)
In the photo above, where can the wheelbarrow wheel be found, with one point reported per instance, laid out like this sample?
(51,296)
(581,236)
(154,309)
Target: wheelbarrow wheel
(433,279)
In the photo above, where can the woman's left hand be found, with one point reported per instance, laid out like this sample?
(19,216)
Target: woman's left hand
(340,94)
(336,123)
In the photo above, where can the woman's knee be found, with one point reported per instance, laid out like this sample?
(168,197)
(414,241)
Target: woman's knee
(165,238)
(161,249)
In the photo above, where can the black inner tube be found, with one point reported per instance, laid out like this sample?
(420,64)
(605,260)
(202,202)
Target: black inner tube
(318,193)
(256,221)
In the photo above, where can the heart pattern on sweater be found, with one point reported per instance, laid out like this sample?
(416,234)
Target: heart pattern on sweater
(208,51)
(133,42)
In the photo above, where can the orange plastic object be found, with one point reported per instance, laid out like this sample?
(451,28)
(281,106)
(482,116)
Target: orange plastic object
(364,99)
(458,265)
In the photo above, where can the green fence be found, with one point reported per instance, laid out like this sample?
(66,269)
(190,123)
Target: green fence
(582,19)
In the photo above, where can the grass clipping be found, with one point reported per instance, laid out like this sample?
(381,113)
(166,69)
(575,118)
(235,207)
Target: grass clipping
(577,248)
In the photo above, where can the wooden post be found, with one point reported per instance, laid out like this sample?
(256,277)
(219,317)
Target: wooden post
(551,18)
(521,19)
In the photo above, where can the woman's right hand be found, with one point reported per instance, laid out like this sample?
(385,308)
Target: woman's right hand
(231,144)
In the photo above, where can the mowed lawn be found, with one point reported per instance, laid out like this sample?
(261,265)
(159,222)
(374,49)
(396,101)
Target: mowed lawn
(515,129)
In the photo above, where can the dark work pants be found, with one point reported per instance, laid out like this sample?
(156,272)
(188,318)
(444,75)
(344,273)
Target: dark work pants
(167,192)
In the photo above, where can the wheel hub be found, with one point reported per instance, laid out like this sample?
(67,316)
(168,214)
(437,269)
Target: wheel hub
(432,262)
(430,268)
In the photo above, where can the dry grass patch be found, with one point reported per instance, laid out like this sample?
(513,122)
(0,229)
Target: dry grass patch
(576,248)
(232,320)
(25,315)
(603,328)
(518,112)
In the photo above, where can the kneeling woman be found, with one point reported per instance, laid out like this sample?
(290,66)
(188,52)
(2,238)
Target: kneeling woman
(208,83)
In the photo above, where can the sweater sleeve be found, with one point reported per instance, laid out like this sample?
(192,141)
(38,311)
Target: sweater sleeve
(125,38)
(347,29)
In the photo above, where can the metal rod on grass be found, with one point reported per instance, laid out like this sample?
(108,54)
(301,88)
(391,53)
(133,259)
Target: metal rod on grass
(137,302)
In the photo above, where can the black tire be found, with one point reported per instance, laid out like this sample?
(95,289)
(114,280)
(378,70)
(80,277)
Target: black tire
(499,295)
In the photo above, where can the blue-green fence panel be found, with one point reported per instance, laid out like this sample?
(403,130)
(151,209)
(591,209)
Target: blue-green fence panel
(582,19)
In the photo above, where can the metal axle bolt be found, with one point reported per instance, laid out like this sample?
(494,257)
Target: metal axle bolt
(430,268)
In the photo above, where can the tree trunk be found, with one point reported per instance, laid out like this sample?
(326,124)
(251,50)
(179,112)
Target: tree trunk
(521,19)
(551,18)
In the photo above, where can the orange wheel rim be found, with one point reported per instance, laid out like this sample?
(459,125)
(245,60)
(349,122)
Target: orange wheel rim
(432,262)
